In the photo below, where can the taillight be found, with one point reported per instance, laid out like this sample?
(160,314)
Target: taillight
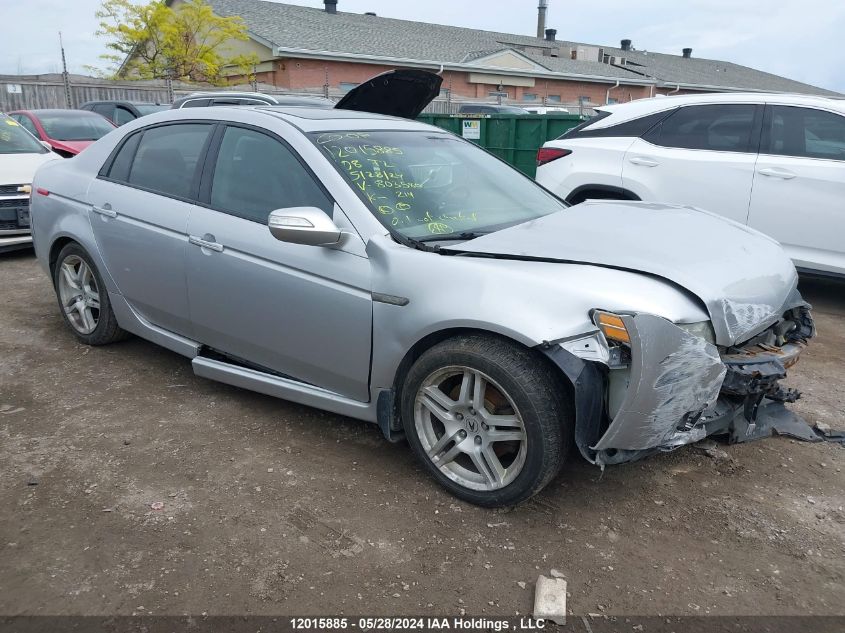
(548,154)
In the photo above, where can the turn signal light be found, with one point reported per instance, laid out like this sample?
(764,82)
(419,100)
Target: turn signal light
(612,327)
(548,154)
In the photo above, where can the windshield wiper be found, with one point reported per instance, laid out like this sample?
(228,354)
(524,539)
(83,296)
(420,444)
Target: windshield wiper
(453,237)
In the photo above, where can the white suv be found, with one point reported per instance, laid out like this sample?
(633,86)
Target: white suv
(773,162)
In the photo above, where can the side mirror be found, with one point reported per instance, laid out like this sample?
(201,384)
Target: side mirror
(303,225)
(46,145)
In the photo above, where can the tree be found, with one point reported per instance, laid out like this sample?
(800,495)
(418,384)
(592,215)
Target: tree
(187,41)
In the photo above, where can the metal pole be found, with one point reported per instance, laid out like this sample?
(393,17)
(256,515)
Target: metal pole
(326,85)
(65,76)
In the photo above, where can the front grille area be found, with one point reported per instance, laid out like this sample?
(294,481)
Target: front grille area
(14,203)
(9,190)
(14,214)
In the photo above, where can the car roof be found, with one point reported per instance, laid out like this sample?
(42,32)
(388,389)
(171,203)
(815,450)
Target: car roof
(124,101)
(304,118)
(59,111)
(622,112)
(326,119)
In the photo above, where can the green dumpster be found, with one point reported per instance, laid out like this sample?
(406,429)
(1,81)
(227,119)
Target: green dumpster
(513,138)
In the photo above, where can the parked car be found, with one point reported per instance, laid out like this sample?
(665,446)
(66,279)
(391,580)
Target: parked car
(206,99)
(774,162)
(120,112)
(390,271)
(20,155)
(67,131)
(490,108)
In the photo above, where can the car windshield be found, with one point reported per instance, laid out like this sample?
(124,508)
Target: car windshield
(75,126)
(149,108)
(16,140)
(424,185)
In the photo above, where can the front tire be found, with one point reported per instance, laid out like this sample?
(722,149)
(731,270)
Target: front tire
(487,418)
(83,299)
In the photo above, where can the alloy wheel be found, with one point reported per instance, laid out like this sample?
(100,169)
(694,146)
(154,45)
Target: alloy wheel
(470,428)
(79,294)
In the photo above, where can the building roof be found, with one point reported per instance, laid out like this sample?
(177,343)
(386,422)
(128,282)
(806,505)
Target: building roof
(290,29)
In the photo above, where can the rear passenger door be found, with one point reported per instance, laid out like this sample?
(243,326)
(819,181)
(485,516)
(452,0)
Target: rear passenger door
(799,185)
(140,205)
(701,155)
(302,311)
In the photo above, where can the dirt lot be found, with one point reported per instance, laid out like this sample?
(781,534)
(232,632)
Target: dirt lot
(275,508)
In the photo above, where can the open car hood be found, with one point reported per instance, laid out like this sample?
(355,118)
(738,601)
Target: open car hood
(404,93)
(743,277)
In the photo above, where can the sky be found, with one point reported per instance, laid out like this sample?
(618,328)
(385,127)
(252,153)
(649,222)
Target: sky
(799,39)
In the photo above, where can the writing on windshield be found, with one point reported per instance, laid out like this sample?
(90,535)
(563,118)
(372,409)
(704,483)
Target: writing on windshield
(422,185)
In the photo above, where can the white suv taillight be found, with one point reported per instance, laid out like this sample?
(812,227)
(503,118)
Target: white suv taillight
(548,154)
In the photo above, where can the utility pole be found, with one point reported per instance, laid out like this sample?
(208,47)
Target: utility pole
(65,76)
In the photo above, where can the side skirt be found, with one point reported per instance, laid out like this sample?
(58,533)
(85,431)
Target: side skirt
(280,387)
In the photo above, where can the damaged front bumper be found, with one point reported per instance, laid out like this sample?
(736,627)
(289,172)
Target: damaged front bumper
(671,387)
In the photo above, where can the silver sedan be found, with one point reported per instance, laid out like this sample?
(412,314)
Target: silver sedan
(390,271)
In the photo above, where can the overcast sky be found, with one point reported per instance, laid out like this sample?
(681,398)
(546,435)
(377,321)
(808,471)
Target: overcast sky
(799,39)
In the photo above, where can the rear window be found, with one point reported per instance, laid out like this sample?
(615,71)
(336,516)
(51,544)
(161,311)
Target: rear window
(75,126)
(627,129)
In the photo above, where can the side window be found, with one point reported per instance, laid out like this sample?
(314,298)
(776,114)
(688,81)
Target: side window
(26,123)
(196,103)
(122,115)
(804,132)
(255,174)
(167,157)
(121,164)
(227,101)
(722,128)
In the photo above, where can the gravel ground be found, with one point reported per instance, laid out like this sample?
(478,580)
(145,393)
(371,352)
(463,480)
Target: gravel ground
(268,507)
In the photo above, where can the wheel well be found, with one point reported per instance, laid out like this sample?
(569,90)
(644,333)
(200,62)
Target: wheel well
(55,249)
(427,342)
(600,192)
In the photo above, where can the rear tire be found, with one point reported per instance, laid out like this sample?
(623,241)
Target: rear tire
(83,299)
(488,419)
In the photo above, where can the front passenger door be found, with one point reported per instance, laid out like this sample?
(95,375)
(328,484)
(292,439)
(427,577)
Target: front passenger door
(302,311)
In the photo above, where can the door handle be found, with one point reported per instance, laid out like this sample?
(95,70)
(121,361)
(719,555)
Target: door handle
(643,161)
(105,212)
(210,244)
(776,173)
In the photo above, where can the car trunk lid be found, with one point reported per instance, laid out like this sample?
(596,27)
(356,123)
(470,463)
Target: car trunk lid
(403,93)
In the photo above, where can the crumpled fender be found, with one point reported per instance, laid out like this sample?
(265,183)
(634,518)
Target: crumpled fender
(675,377)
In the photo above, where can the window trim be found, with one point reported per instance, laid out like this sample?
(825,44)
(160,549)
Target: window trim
(194,189)
(752,147)
(210,167)
(766,140)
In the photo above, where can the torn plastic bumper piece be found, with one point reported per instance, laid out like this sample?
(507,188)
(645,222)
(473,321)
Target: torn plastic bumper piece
(680,390)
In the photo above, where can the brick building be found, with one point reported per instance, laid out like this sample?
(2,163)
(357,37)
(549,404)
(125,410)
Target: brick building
(328,51)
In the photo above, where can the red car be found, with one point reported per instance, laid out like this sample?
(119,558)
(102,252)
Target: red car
(67,131)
